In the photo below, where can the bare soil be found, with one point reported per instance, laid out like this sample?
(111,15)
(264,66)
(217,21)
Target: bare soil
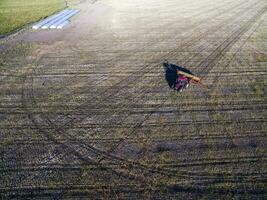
(85,112)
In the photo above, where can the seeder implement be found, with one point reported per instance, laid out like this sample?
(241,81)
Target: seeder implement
(192,79)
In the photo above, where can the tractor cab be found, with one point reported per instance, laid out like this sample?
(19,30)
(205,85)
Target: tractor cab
(181,83)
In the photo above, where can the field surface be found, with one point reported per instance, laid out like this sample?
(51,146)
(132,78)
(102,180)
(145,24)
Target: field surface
(85,112)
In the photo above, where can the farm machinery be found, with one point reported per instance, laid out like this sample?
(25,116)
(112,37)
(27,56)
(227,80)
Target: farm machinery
(179,78)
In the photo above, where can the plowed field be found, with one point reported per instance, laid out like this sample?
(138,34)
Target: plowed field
(85,112)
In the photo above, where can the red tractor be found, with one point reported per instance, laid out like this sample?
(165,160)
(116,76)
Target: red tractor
(179,78)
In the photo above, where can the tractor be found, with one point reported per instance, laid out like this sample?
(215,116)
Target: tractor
(179,78)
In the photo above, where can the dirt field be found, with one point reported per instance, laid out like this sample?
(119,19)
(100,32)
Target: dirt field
(85,112)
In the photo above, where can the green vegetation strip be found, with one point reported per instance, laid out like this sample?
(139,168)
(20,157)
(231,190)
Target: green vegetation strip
(14,14)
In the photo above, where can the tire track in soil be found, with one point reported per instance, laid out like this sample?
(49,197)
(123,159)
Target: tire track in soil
(136,108)
(79,119)
(152,124)
(140,71)
(215,81)
(94,113)
(117,88)
(259,134)
(76,49)
(226,45)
